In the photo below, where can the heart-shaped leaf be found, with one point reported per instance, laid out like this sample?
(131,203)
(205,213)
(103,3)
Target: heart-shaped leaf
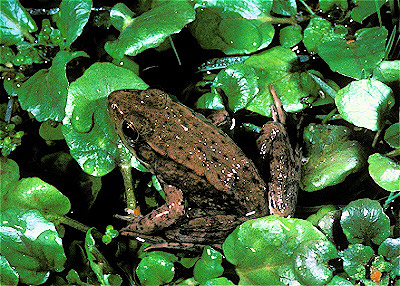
(279,251)
(156,268)
(365,103)
(87,127)
(364,221)
(208,266)
(358,57)
(332,157)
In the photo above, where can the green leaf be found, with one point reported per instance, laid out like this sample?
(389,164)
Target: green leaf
(332,156)
(9,173)
(210,101)
(355,258)
(290,36)
(359,57)
(249,9)
(49,130)
(365,8)
(15,23)
(392,135)
(387,71)
(385,172)
(315,31)
(339,281)
(364,221)
(121,16)
(151,28)
(326,5)
(156,268)
(87,127)
(218,282)
(365,103)
(45,93)
(8,276)
(33,193)
(279,251)
(208,266)
(285,7)
(31,245)
(390,249)
(72,17)
(228,31)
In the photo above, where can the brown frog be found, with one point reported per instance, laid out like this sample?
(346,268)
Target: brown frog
(210,185)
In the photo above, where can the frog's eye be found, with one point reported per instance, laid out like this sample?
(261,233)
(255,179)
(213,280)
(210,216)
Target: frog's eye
(130,133)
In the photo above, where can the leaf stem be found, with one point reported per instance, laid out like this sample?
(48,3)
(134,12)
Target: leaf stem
(329,116)
(390,199)
(128,183)
(307,7)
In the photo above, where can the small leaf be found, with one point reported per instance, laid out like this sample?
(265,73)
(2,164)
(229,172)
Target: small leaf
(364,221)
(72,17)
(387,71)
(332,157)
(385,172)
(50,131)
(218,282)
(326,5)
(390,249)
(365,8)
(355,259)
(357,57)
(87,126)
(9,173)
(392,135)
(208,266)
(315,31)
(15,22)
(151,28)
(33,193)
(156,268)
(44,94)
(8,275)
(290,36)
(268,251)
(121,16)
(31,245)
(210,101)
(364,103)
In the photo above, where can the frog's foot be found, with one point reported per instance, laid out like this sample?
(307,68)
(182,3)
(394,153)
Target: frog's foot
(160,218)
(278,113)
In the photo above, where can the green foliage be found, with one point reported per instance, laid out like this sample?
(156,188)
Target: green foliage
(45,73)
(31,245)
(322,143)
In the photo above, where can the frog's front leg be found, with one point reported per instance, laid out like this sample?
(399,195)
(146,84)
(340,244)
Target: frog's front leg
(160,218)
(283,163)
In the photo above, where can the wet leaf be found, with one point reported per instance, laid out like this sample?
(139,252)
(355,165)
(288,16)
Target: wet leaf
(290,36)
(45,93)
(227,30)
(315,31)
(33,193)
(326,5)
(363,221)
(151,28)
(358,57)
(156,268)
(9,173)
(279,251)
(387,71)
(15,22)
(218,282)
(364,9)
(31,245)
(208,266)
(365,103)
(8,276)
(385,172)
(332,156)
(72,18)
(390,249)
(87,127)
(355,259)
(285,7)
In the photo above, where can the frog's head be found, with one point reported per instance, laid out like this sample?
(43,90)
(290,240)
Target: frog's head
(133,112)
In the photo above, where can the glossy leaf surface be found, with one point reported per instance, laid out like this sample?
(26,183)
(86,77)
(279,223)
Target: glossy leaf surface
(87,127)
(156,268)
(332,156)
(31,245)
(208,266)
(279,251)
(363,221)
(385,172)
(365,103)
(355,259)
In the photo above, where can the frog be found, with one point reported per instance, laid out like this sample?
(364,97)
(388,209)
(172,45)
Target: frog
(210,185)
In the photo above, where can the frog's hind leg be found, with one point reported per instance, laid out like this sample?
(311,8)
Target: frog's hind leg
(160,218)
